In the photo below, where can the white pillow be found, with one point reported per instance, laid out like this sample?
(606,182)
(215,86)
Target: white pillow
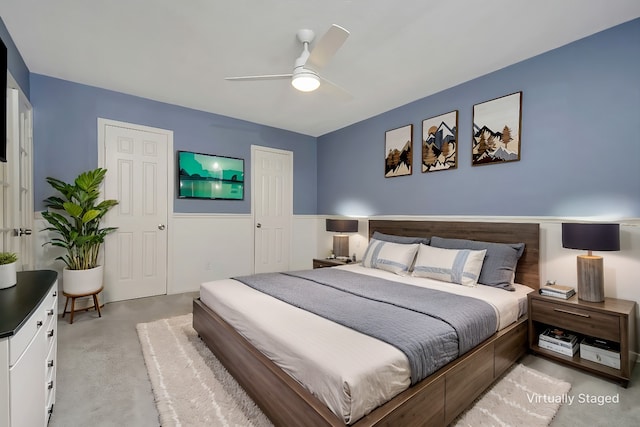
(461,266)
(394,257)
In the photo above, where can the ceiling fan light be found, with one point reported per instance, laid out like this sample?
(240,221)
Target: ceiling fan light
(305,82)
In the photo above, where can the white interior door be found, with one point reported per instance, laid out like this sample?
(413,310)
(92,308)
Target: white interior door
(272,200)
(16,177)
(136,159)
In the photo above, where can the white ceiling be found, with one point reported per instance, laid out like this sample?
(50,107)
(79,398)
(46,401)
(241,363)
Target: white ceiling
(180,51)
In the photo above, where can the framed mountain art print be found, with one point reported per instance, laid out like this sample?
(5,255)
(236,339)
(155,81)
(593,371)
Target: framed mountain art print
(496,130)
(398,146)
(440,142)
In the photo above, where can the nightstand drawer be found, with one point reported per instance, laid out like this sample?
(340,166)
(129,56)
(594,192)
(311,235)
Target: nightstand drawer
(588,322)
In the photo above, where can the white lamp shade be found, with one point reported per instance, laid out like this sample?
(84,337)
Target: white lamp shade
(305,81)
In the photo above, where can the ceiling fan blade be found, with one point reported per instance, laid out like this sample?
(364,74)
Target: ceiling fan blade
(326,47)
(262,77)
(335,90)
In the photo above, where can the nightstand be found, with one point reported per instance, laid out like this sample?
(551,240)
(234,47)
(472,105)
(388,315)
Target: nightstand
(326,262)
(613,320)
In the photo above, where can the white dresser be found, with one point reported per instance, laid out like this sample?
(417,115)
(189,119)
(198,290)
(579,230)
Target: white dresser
(28,337)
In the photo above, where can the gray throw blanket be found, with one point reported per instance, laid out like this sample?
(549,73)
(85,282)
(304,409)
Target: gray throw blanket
(430,327)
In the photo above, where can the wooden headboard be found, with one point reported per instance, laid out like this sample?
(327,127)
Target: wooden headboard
(528,269)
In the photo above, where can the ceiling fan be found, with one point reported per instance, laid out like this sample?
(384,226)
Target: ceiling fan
(305,75)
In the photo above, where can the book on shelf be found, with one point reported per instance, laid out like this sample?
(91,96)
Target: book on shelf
(559,337)
(558,348)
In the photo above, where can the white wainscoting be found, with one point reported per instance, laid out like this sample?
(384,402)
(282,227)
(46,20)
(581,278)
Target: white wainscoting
(45,257)
(556,263)
(205,247)
(215,246)
(304,241)
(210,247)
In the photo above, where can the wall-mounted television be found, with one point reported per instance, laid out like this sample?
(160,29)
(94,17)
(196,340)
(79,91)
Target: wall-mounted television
(3,106)
(205,176)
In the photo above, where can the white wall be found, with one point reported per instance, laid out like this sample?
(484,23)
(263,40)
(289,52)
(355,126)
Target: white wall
(214,246)
(556,263)
(204,247)
(210,247)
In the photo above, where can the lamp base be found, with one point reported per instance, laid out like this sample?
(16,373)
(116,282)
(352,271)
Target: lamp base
(341,246)
(590,278)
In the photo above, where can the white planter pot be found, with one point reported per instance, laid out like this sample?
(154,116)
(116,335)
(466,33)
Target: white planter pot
(7,275)
(82,282)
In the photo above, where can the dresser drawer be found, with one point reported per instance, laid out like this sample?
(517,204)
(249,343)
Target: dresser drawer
(577,319)
(28,389)
(50,362)
(20,341)
(51,299)
(43,317)
(50,316)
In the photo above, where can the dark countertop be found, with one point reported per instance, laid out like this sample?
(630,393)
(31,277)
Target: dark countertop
(18,302)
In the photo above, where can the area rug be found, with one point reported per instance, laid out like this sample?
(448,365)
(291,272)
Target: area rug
(521,397)
(192,388)
(190,385)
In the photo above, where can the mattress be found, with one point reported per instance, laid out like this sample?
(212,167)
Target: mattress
(350,372)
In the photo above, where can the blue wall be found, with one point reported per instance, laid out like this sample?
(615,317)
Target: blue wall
(580,146)
(66,135)
(16,65)
(580,149)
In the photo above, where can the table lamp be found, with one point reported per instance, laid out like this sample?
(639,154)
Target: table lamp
(591,237)
(341,240)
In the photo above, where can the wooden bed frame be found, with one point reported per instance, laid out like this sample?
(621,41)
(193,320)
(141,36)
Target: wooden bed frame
(435,401)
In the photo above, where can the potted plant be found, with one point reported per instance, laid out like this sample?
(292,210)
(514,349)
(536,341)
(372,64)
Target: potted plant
(8,269)
(74,216)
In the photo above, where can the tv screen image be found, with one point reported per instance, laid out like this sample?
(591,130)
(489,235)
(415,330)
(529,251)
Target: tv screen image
(205,176)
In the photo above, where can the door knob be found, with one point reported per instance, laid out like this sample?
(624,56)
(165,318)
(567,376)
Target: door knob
(161,227)
(259,225)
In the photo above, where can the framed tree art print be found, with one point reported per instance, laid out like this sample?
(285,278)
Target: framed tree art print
(398,146)
(440,142)
(496,130)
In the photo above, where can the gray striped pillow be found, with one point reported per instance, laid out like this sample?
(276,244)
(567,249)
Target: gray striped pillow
(394,257)
(461,266)
(499,267)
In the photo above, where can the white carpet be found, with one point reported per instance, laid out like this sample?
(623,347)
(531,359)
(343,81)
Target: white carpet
(192,388)
(522,397)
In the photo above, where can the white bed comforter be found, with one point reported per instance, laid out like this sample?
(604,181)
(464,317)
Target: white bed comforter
(351,372)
